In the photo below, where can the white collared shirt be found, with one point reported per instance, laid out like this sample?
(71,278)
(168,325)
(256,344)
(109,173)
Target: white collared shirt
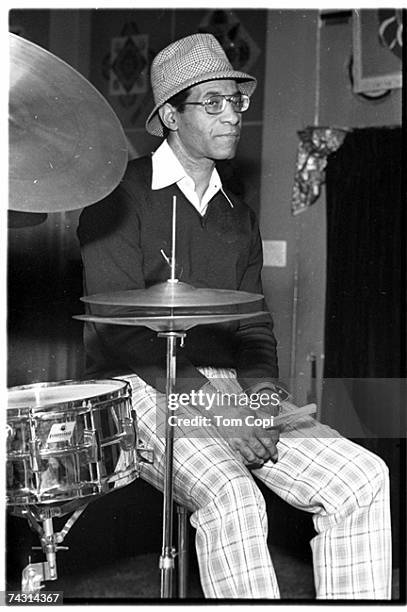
(167,170)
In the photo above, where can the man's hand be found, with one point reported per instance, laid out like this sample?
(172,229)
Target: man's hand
(249,429)
(245,424)
(255,446)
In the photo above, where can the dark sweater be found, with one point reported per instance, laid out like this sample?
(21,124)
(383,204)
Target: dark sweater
(121,238)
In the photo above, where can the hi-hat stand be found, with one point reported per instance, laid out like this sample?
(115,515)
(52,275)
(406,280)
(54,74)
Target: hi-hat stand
(168,553)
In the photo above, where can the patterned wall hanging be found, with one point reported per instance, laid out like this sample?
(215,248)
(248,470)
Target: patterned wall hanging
(126,68)
(236,41)
(128,65)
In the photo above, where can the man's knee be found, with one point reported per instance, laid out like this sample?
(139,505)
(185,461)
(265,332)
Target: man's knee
(242,494)
(235,493)
(369,476)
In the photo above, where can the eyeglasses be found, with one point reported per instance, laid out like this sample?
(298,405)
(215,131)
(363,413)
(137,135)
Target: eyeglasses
(216,104)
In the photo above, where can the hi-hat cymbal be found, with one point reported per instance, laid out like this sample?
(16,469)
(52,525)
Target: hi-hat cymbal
(173,295)
(67,148)
(170,322)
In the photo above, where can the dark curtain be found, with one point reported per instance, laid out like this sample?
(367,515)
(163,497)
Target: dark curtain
(364,213)
(364,338)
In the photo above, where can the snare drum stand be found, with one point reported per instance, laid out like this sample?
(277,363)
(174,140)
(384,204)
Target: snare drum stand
(34,573)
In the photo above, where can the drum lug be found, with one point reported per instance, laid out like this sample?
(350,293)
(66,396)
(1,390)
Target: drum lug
(91,438)
(10,434)
(35,447)
(35,460)
(128,435)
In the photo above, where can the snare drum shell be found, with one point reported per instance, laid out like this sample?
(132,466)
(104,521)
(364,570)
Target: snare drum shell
(69,440)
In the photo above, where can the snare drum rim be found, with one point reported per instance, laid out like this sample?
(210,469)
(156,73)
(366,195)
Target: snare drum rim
(123,390)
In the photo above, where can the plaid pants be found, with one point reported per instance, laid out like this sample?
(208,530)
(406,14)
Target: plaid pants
(344,486)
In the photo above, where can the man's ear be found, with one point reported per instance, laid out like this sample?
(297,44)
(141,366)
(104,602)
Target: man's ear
(168,115)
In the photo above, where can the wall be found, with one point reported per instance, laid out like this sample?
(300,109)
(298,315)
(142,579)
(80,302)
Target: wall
(297,96)
(289,106)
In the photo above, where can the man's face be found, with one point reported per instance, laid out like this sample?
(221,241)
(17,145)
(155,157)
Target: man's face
(207,136)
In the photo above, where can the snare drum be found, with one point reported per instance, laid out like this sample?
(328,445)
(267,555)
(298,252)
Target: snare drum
(68,440)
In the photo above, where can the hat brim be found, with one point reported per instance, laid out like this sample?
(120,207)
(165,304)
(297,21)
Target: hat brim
(246,84)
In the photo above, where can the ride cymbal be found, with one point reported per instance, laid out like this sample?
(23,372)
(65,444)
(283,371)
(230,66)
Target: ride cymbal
(67,148)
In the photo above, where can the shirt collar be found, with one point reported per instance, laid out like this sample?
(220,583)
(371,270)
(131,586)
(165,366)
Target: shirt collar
(167,170)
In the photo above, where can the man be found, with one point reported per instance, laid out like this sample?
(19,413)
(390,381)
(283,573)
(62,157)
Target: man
(126,244)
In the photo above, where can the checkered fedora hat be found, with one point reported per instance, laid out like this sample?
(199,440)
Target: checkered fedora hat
(186,62)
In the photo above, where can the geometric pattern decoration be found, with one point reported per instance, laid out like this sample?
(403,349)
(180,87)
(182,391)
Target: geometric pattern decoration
(128,63)
(239,46)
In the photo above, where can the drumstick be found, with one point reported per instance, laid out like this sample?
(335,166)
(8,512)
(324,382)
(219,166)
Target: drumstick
(174,226)
(283,419)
